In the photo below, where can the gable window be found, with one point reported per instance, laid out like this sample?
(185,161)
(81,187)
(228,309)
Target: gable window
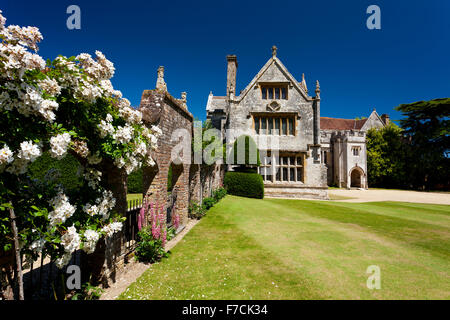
(271,124)
(284,126)
(283,93)
(271,92)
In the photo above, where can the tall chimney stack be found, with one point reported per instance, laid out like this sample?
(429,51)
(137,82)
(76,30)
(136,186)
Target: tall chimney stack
(231,74)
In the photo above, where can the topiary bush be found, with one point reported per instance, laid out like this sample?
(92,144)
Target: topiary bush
(244,184)
(251,152)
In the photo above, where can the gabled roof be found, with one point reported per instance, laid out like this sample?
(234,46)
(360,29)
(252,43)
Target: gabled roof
(216,102)
(341,124)
(350,124)
(374,118)
(283,69)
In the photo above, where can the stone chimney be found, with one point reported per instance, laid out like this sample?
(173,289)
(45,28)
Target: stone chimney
(231,74)
(385,118)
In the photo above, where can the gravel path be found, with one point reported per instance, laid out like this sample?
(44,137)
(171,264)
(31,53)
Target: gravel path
(391,195)
(134,269)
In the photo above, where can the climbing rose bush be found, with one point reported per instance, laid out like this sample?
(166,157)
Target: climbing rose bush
(61,106)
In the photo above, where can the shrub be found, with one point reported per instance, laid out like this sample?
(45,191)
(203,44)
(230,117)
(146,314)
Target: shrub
(244,184)
(134,183)
(88,292)
(209,202)
(196,211)
(149,249)
(171,233)
(219,193)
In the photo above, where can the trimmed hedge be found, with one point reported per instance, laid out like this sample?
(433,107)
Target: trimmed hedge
(244,184)
(67,170)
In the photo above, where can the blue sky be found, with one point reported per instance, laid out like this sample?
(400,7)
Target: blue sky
(358,69)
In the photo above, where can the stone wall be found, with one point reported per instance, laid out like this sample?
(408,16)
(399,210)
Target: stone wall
(204,180)
(170,114)
(191,182)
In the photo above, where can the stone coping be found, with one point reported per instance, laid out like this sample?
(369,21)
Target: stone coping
(171,99)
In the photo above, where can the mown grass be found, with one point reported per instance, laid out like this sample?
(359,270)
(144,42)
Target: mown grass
(291,249)
(339,197)
(133,196)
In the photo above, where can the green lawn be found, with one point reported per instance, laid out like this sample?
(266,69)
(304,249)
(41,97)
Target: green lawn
(338,197)
(293,249)
(133,196)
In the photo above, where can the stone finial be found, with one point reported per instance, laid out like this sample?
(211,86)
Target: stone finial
(160,83)
(304,83)
(184,99)
(317,89)
(274,51)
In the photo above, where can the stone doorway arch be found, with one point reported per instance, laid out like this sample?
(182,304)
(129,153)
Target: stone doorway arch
(357,178)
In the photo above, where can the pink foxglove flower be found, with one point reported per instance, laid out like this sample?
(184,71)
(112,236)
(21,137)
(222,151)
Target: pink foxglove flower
(176,220)
(140,218)
(151,213)
(164,237)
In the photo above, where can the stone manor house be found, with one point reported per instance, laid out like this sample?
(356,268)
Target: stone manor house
(311,152)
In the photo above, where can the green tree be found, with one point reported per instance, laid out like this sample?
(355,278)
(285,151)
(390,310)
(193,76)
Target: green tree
(387,157)
(135,181)
(427,126)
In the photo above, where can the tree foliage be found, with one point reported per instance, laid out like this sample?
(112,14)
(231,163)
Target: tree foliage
(386,157)
(427,126)
(415,155)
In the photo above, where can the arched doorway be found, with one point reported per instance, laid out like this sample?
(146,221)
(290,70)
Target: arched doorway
(356,177)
